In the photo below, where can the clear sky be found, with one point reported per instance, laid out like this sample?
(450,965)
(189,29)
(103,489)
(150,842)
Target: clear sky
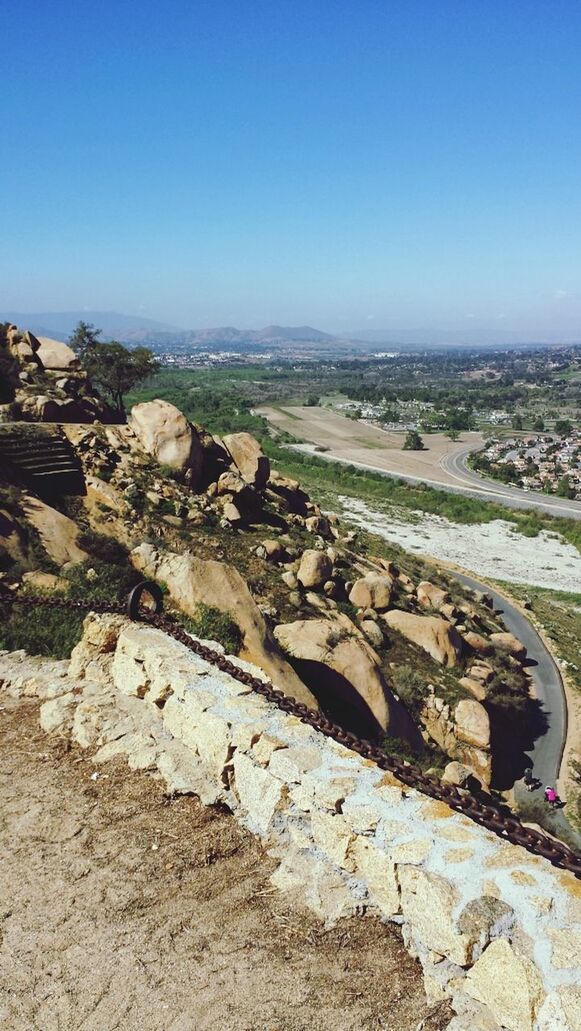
(345,164)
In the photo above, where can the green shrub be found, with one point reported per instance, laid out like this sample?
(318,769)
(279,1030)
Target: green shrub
(410,687)
(39,630)
(212,624)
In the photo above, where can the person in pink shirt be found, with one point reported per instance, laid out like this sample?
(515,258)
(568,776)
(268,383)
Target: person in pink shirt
(550,796)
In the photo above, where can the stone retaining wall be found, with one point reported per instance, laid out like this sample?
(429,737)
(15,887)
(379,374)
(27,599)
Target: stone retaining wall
(496,930)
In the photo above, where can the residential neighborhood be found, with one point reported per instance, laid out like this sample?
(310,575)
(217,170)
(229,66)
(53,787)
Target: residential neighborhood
(547,462)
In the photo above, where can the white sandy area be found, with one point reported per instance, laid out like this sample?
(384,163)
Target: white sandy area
(493,549)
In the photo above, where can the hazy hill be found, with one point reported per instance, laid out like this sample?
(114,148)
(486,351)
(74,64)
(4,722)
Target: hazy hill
(60,324)
(297,339)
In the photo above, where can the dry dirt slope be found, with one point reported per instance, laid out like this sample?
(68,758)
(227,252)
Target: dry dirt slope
(121,910)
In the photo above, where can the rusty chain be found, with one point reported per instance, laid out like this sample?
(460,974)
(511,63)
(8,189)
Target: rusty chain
(509,828)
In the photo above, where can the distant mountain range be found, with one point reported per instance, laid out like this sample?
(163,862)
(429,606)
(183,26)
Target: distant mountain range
(228,338)
(133,329)
(60,324)
(292,340)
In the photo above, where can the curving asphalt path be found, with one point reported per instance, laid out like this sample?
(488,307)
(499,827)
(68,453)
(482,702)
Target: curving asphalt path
(547,753)
(454,464)
(467,482)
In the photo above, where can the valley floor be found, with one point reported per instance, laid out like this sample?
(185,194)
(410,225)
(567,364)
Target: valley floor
(121,910)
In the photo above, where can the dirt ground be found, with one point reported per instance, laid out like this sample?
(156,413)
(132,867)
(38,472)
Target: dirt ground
(121,909)
(362,442)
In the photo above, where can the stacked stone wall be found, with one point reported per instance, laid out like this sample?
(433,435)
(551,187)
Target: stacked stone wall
(497,930)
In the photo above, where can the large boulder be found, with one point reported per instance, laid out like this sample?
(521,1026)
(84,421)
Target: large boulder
(372,591)
(57,532)
(215,458)
(55,355)
(23,346)
(248,458)
(165,434)
(430,596)
(477,642)
(193,581)
(472,723)
(435,635)
(511,644)
(338,645)
(287,494)
(315,568)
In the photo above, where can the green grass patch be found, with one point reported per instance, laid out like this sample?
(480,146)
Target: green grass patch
(43,630)
(212,624)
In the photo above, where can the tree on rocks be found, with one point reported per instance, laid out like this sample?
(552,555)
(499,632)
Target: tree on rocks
(111,366)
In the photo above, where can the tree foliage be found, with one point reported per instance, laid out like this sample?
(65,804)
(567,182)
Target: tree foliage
(413,441)
(563,427)
(112,367)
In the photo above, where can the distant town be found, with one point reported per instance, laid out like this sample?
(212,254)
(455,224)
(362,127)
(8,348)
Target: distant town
(546,462)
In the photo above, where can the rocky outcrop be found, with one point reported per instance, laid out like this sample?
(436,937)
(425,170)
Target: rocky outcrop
(315,568)
(57,532)
(40,381)
(287,494)
(435,635)
(511,644)
(164,433)
(338,645)
(462,733)
(248,458)
(372,591)
(193,581)
(23,346)
(431,597)
(53,354)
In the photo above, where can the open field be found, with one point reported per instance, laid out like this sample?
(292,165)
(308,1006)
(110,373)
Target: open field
(442,463)
(356,441)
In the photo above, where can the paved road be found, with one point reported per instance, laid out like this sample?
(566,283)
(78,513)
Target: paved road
(455,465)
(547,754)
(467,482)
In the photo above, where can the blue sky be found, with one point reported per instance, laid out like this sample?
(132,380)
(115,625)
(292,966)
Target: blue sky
(348,165)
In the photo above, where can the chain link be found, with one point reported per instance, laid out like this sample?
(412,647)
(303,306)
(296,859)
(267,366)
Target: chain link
(509,828)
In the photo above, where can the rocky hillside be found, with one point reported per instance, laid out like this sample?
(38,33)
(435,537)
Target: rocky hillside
(385,645)
(41,381)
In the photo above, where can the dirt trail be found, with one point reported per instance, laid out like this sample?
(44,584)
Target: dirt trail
(122,910)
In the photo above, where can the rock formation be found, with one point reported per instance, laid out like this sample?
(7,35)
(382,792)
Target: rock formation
(41,381)
(166,435)
(432,633)
(192,582)
(248,458)
(338,645)
(346,621)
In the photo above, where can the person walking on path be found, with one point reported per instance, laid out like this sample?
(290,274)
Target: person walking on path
(528,778)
